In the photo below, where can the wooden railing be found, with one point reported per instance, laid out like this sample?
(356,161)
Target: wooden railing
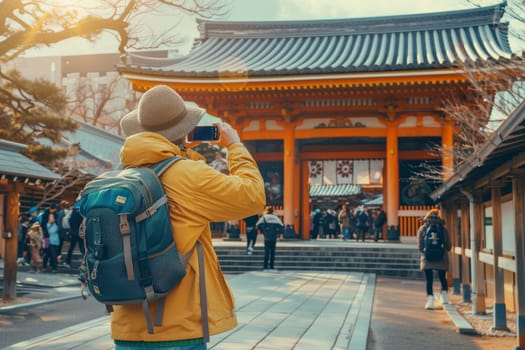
(410,218)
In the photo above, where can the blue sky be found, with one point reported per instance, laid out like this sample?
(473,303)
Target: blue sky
(261,10)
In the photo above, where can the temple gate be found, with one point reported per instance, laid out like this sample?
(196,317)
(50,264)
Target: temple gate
(359,98)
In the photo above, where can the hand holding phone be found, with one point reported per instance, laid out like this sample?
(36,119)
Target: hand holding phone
(204,133)
(228,135)
(219,133)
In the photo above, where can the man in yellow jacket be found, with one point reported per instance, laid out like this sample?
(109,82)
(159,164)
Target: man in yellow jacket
(197,195)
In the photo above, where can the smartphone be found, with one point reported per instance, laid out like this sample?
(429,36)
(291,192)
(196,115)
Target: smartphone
(204,133)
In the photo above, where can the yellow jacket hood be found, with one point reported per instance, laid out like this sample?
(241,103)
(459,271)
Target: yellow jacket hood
(148,148)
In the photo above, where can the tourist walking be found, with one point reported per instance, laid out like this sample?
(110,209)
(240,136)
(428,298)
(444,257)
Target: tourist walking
(271,227)
(251,232)
(434,244)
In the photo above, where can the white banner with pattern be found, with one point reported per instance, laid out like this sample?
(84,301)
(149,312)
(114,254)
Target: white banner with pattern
(346,171)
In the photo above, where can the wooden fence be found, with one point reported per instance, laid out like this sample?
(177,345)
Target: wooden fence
(410,219)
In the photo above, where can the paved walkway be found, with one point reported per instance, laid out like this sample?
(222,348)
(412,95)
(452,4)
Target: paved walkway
(295,310)
(276,310)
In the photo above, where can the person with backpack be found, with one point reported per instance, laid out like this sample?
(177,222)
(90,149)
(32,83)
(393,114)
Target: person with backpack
(271,227)
(201,303)
(434,245)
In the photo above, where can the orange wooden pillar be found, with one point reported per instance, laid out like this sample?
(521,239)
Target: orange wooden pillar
(447,145)
(392,181)
(305,200)
(289,174)
(11,244)
(297,194)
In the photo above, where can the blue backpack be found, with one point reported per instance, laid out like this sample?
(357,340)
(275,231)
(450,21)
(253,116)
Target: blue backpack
(131,256)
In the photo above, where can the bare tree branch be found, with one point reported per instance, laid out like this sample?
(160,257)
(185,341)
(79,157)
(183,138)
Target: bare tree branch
(28,24)
(492,92)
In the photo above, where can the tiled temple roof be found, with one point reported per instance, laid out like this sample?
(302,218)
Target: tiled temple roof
(15,166)
(375,44)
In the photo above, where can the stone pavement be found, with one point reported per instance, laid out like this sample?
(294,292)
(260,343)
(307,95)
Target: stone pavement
(276,310)
(294,310)
(34,289)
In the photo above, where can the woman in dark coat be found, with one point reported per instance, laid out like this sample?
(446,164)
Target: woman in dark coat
(441,265)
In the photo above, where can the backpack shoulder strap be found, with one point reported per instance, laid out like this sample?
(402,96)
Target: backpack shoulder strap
(202,292)
(160,167)
(159,313)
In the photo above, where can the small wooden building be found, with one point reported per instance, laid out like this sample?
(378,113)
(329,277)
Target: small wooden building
(483,204)
(17,173)
(337,102)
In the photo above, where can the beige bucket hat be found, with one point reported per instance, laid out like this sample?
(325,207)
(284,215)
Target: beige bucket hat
(163,111)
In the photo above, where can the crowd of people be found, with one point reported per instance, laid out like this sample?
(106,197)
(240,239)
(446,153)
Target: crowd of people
(340,223)
(359,223)
(42,233)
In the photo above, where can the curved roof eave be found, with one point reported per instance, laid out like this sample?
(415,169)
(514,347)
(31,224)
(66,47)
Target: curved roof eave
(256,50)
(393,23)
(302,81)
(14,164)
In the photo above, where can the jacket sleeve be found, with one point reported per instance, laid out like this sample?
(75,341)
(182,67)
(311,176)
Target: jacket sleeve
(420,237)
(259,222)
(215,196)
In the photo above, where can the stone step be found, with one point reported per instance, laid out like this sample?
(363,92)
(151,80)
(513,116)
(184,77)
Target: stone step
(401,273)
(295,255)
(383,261)
(399,262)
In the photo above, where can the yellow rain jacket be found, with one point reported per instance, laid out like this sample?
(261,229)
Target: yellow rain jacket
(197,195)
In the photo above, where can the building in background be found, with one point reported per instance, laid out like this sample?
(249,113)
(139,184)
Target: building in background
(97,93)
(324,104)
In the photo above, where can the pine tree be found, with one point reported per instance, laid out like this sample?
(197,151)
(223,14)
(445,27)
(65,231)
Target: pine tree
(32,112)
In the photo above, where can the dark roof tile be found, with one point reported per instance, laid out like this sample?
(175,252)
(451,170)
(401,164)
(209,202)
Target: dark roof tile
(13,163)
(409,42)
